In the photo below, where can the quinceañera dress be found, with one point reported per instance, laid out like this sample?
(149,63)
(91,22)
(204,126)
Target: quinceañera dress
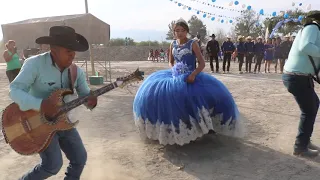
(168,109)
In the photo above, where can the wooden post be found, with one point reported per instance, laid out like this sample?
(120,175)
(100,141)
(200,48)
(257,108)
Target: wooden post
(93,72)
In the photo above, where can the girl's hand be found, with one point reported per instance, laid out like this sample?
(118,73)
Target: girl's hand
(191,78)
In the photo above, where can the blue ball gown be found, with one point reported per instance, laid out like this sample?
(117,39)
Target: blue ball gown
(168,109)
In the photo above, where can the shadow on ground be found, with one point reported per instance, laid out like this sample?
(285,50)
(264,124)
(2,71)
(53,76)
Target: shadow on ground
(220,157)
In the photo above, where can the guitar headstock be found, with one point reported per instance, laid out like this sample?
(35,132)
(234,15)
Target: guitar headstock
(133,77)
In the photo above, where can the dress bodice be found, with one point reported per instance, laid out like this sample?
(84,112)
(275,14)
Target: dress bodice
(183,54)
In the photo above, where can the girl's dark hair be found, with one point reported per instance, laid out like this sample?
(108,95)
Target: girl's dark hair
(182,24)
(308,19)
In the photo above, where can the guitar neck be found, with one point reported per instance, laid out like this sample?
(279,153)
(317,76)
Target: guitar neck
(81,100)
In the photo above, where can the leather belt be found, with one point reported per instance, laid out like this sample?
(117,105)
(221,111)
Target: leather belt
(296,74)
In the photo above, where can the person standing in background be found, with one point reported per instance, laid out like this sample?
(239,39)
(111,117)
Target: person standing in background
(241,52)
(259,53)
(249,48)
(213,49)
(268,55)
(199,39)
(227,48)
(278,55)
(12,59)
(286,46)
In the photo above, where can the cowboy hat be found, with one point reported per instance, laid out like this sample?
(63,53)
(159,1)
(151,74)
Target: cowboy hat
(249,37)
(228,37)
(66,37)
(213,35)
(287,36)
(240,37)
(259,37)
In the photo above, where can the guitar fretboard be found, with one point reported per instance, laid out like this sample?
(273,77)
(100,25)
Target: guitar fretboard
(81,100)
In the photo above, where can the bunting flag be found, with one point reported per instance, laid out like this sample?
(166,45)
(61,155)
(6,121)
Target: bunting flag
(260,12)
(229,19)
(218,7)
(212,16)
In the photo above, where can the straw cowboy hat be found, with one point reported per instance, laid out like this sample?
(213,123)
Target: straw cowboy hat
(287,36)
(228,37)
(249,37)
(259,37)
(240,37)
(66,37)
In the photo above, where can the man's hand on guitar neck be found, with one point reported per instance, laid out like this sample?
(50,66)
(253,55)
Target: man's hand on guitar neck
(91,101)
(49,108)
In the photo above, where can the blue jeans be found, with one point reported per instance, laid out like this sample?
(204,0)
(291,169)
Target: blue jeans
(51,159)
(302,88)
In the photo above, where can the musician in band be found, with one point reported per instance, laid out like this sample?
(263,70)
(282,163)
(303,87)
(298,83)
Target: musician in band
(249,48)
(304,63)
(213,48)
(259,54)
(40,75)
(227,48)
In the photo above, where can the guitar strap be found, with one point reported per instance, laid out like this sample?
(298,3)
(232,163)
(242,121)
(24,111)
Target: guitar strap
(316,70)
(72,75)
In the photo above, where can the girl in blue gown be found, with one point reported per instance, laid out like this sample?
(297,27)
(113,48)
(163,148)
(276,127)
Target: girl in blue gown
(181,104)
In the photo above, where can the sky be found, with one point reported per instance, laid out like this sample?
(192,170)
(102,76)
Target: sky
(145,19)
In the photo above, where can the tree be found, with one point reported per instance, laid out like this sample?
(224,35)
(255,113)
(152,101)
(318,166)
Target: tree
(290,27)
(131,42)
(197,26)
(220,35)
(248,25)
(170,33)
(122,42)
(148,43)
(231,34)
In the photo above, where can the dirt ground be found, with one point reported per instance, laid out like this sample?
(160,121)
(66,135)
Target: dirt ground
(115,151)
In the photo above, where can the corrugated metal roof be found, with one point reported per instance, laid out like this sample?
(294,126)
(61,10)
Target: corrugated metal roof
(48,19)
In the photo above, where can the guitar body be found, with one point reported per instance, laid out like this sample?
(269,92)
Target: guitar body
(29,132)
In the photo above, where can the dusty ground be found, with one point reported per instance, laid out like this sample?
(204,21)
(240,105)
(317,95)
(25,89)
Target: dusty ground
(115,151)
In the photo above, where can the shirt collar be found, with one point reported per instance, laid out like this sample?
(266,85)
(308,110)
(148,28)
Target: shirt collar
(50,60)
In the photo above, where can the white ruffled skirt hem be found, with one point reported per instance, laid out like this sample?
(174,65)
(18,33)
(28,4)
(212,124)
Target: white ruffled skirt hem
(167,134)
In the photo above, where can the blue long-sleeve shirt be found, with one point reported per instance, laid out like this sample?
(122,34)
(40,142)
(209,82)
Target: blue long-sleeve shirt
(227,46)
(38,78)
(259,48)
(241,48)
(249,46)
(307,42)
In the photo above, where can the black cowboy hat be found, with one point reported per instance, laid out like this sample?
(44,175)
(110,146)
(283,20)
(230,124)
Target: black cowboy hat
(213,35)
(314,15)
(66,37)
